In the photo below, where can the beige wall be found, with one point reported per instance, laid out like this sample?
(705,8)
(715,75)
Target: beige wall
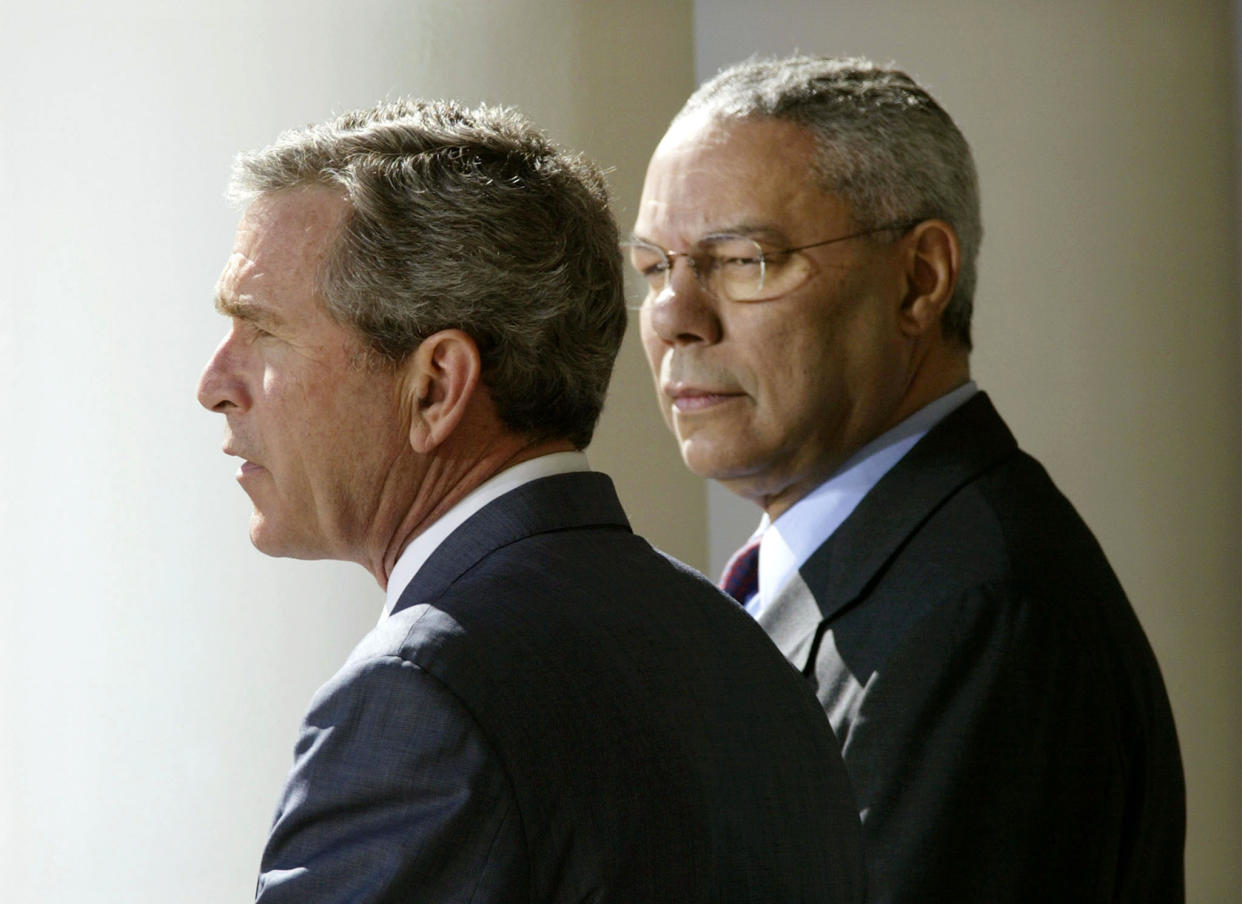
(153,668)
(629,79)
(1108,307)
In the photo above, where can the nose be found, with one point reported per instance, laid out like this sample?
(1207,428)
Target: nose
(683,313)
(221,388)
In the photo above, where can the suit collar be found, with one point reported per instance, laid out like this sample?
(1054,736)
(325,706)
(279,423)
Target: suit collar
(966,443)
(558,502)
(791,539)
(420,548)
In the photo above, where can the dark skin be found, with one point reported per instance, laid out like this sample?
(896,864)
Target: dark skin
(770,398)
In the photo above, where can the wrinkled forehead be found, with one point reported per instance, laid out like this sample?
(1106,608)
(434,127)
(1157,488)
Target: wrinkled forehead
(297,224)
(282,242)
(710,175)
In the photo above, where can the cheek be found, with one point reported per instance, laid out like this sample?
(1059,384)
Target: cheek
(308,419)
(797,380)
(784,357)
(651,343)
(654,350)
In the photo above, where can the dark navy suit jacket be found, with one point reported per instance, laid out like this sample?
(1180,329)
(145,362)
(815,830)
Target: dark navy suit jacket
(556,712)
(1003,720)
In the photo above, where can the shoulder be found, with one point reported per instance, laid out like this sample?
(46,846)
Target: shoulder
(1000,602)
(1010,533)
(552,587)
(381,690)
(1000,577)
(394,788)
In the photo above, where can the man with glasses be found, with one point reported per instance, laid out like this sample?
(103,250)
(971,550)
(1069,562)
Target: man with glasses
(808,233)
(425,303)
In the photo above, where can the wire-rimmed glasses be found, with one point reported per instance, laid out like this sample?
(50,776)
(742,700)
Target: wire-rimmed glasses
(736,267)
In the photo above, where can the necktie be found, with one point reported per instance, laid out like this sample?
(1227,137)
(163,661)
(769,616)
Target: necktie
(741,576)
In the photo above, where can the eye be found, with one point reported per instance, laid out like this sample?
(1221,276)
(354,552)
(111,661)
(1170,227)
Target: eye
(252,331)
(649,261)
(736,254)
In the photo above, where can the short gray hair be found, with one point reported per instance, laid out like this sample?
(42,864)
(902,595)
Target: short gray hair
(471,220)
(883,145)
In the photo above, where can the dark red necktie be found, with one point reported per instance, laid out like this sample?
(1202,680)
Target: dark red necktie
(741,575)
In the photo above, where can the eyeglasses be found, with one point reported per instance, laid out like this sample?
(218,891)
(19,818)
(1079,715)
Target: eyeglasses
(737,267)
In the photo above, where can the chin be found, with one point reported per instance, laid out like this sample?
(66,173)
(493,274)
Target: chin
(709,463)
(267,538)
(261,538)
(749,477)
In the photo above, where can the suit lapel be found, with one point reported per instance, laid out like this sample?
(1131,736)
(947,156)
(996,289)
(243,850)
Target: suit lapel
(560,502)
(965,444)
(790,618)
(969,441)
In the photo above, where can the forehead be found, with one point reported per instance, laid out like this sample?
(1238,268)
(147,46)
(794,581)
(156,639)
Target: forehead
(279,249)
(756,175)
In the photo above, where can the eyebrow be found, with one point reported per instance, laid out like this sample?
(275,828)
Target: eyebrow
(756,231)
(247,311)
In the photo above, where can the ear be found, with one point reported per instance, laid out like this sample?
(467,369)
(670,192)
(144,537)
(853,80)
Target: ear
(438,382)
(933,261)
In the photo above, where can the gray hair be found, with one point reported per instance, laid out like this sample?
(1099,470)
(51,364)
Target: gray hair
(471,220)
(883,145)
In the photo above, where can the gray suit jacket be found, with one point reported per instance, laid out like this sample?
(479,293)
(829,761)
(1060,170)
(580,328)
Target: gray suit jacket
(555,712)
(1002,717)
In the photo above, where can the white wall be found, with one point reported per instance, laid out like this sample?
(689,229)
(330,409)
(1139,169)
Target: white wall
(1107,326)
(153,667)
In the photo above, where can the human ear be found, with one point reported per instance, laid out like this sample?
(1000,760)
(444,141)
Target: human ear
(438,382)
(933,259)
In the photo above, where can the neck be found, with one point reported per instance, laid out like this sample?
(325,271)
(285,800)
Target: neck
(944,369)
(939,371)
(448,476)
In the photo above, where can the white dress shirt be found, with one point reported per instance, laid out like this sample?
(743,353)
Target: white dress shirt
(419,550)
(787,542)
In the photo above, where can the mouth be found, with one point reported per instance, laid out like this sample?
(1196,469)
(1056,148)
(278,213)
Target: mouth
(247,467)
(691,399)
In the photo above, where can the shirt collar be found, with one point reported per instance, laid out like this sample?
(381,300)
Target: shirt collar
(419,550)
(789,541)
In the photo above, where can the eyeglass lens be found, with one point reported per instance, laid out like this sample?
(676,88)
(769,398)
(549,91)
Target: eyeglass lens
(735,268)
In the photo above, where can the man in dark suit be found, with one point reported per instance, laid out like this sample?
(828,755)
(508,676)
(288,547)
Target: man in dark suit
(425,305)
(1002,718)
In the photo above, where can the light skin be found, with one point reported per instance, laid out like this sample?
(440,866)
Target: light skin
(343,456)
(770,398)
